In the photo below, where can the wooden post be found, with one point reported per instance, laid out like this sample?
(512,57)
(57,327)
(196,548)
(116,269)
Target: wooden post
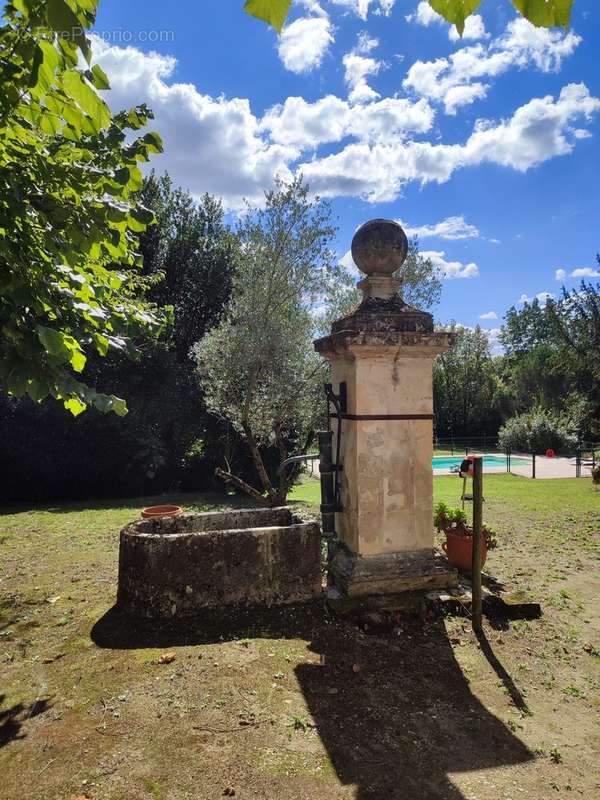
(477,525)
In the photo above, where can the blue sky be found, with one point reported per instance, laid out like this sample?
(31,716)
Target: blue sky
(488,147)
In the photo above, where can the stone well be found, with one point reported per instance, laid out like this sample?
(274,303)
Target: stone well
(178,566)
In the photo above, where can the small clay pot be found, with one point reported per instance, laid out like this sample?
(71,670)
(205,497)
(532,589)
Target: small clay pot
(156,512)
(459,550)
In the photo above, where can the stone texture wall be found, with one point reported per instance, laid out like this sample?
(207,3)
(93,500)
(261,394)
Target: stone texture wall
(387,490)
(177,567)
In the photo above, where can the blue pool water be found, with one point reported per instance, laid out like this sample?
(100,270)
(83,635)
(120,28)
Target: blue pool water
(447,462)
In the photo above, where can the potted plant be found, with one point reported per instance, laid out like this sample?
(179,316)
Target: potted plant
(459,536)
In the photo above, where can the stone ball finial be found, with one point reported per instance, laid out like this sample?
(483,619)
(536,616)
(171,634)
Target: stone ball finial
(379,247)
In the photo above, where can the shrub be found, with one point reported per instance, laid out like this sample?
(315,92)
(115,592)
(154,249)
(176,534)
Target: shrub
(535,432)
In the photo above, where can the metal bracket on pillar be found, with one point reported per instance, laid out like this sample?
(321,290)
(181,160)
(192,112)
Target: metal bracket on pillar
(339,403)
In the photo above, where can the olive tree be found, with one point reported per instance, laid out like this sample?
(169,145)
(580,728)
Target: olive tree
(258,369)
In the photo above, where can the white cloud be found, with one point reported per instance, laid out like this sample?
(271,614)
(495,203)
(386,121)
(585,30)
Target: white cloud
(211,145)
(580,272)
(361,7)
(449,228)
(425,15)
(489,315)
(357,69)
(358,66)
(365,43)
(541,297)
(474,29)
(304,125)
(217,144)
(521,45)
(459,96)
(585,272)
(535,133)
(349,265)
(450,269)
(304,42)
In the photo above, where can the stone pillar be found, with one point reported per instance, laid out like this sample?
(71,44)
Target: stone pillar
(384,351)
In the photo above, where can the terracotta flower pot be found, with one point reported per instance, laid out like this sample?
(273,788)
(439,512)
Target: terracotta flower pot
(155,512)
(459,550)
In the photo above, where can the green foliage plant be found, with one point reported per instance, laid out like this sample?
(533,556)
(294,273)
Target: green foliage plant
(543,13)
(453,520)
(68,221)
(536,431)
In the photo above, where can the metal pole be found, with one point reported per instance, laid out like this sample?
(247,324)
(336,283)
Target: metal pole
(477,545)
(533,466)
(327,471)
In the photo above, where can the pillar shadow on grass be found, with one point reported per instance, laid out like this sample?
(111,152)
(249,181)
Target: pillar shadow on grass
(395,713)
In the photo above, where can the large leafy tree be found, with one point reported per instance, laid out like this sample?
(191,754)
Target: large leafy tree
(68,220)
(259,371)
(465,387)
(575,320)
(552,357)
(544,13)
(189,258)
(167,440)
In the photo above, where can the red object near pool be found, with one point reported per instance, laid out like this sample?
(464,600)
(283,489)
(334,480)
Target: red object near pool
(550,453)
(156,512)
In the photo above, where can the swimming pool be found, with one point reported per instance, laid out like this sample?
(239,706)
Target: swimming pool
(448,462)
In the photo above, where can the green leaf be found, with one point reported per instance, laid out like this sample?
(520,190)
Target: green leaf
(154,142)
(64,21)
(86,98)
(546,13)
(272,11)
(78,361)
(99,77)
(455,11)
(143,215)
(122,175)
(101,343)
(119,406)
(45,62)
(75,406)
(52,341)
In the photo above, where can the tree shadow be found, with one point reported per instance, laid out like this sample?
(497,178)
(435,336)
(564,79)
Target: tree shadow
(12,719)
(395,712)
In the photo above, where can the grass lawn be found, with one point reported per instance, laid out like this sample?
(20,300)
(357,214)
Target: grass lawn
(297,704)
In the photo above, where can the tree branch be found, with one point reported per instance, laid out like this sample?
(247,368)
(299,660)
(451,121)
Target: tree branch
(229,477)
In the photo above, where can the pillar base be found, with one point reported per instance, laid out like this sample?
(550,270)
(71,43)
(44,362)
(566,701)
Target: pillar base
(390,573)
